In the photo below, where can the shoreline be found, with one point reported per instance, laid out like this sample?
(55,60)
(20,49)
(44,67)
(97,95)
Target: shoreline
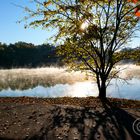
(76,101)
(67,118)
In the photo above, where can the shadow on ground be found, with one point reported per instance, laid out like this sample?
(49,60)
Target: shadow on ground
(87,123)
(76,123)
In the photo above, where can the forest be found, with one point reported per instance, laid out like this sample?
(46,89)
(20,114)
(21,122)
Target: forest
(22,54)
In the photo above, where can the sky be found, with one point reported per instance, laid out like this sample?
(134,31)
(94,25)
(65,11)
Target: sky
(11,31)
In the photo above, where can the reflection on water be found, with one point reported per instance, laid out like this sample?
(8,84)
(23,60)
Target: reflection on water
(79,89)
(117,88)
(121,89)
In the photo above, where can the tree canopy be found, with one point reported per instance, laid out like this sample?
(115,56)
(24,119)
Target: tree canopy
(91,32)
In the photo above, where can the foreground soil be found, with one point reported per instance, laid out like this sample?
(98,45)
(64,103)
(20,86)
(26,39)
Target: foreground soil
(69,119)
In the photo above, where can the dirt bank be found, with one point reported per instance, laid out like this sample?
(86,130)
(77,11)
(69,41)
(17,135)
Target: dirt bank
(46,119)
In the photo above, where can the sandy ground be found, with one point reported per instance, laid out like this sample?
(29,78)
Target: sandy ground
(23,118)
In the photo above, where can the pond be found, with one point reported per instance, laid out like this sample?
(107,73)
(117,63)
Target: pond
(117,89)
(62,83)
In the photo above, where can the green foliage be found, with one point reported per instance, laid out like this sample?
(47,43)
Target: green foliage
(23,54)
(110,25)
(91,31)
(131,54)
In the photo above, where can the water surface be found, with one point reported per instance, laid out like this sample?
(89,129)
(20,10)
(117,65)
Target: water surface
(117,88)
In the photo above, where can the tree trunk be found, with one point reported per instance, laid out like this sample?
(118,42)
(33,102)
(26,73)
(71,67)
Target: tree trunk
(102,90)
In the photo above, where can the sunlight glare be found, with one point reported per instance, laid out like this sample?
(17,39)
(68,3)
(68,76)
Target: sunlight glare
(83,89)
(84,25)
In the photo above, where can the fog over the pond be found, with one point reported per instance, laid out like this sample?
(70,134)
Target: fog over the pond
(117,88)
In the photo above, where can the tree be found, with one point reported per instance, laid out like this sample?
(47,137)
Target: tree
(91,32)
(22,54)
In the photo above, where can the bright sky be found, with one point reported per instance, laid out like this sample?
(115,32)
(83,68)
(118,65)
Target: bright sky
(11,32)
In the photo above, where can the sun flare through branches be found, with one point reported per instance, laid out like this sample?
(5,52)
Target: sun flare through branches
(84,25)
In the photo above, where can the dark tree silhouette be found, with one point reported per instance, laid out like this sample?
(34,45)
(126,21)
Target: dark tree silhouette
(92,32)
(23,54)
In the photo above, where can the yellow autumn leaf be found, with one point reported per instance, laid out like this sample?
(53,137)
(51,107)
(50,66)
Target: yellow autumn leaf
(47,3)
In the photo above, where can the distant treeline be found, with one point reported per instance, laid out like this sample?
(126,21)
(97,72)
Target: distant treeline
(23,54)
(131,54)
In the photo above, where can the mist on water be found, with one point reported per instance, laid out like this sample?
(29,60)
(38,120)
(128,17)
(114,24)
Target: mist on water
(128,88)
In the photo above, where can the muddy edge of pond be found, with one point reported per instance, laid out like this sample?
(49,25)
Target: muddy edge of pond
(36,118)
